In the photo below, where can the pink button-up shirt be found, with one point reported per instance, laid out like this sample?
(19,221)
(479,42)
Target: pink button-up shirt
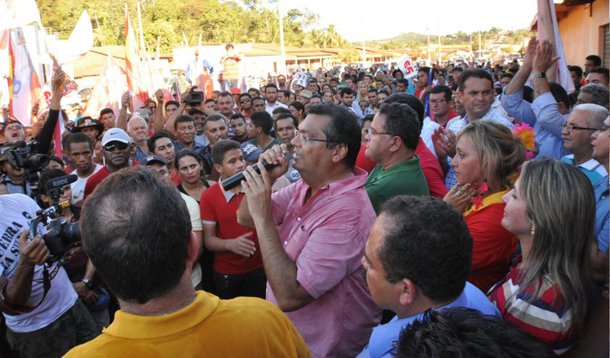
(325,237)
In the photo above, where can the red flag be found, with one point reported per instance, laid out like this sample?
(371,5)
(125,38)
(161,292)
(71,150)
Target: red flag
(133,66)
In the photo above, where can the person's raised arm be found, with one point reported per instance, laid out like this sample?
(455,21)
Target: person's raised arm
(125,105)
(520,78)
(44,138)
(158,115)
(543,61)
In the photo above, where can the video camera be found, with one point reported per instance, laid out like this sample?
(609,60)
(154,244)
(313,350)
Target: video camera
(23,156)
(60,235)
(194,97)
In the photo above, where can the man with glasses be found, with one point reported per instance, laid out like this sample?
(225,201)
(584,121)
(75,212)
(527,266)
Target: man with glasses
(313,261)
(116,145)
(245,104)
(576,134)
(392,139)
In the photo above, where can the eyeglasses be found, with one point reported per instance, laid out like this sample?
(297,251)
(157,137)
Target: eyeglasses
(110,147)
(438,101)
(572,127)
(298,134)
(245,101)
(371,131)
(604,127)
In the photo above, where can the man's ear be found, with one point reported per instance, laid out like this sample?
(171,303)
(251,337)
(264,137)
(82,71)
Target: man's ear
(192,250)
(408,293)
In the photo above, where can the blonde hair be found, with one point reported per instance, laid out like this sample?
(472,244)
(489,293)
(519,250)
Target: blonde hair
(500,153)
(561,204)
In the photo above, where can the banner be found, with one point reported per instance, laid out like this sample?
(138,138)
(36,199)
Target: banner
(405,64)
(24,85)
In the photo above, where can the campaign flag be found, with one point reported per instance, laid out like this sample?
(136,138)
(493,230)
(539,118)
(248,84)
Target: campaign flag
(405,64)
(58,133)
(548,30)
(24,86)
(108,89)
(133,66)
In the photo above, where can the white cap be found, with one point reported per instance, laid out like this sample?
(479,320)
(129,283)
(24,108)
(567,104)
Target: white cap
(116,135)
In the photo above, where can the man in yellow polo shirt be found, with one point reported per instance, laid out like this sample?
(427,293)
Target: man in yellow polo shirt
(136,230)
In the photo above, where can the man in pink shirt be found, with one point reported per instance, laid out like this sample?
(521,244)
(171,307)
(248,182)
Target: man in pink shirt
(312,264)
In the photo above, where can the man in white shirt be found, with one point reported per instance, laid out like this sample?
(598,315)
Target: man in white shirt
(79,149)
(271,102)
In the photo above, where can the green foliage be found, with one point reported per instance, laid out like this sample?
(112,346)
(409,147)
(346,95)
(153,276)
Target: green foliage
(214,20)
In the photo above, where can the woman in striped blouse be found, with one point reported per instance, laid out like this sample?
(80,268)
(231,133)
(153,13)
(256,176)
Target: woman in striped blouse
(551,210)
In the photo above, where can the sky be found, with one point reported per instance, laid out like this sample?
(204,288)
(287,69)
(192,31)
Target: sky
(358,20)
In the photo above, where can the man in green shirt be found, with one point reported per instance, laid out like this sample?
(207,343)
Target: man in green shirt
(391,142)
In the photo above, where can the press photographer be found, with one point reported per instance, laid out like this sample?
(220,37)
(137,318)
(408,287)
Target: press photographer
(21,162)
(63,241)
(41,309)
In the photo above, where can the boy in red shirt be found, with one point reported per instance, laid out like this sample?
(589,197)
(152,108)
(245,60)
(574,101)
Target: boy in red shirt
(238,266)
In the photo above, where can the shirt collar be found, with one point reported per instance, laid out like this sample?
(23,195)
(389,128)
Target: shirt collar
(131,326)
(229,194)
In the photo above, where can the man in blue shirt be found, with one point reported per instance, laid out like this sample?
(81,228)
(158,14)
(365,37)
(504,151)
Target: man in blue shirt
(417,258)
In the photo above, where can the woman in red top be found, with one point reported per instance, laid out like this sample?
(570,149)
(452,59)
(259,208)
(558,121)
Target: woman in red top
(552,211)
(486,155)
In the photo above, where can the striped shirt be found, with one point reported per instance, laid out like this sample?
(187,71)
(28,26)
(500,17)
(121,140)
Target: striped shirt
(546,317)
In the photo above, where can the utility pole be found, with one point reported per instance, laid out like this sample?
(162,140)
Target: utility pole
(282,68)
(480,49)
(428,51)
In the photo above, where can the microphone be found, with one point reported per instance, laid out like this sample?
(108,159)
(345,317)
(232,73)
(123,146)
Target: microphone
(234,180)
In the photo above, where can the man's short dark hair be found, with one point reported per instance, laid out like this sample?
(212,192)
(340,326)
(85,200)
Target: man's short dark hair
(576,69)
(169,103)
(244,95)
(411,101)
(262,120)
(383,91)
(270,85)
(258,99)
(457,69)
(77,137)
(463,332)
(228,46)
(209,100)
(560,94)
(603,70)
(476,73)
(401,120)
(403,81)
(342,128)
(183,118)
(214,118)
(106,111)
(372,90)
(152,141)
(195,111)
(225,94)
(599,93)
(221,148)
(442,89)
(507,74)
(286,93)
(345,90)
(426,241)
(280,110)
(136,230)
(282,116)
(597,61)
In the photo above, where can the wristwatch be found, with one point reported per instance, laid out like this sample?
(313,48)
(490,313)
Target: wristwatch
(538,75)
(86,282)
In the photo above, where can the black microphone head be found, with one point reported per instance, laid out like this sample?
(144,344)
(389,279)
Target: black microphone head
(60,182)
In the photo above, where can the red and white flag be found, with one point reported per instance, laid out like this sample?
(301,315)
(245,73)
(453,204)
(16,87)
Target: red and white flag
(24,86)
(133,66)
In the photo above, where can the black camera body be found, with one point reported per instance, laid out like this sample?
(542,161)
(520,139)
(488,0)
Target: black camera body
(60,235)
(194,98)
(22,156)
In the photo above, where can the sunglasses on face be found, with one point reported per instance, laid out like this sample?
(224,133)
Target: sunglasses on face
(110,147)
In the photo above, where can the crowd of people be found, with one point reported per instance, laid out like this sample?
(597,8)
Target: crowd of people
(460,212)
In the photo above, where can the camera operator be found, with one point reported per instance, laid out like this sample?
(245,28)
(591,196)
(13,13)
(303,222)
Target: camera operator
(41,321)
(17,179)
(79,268)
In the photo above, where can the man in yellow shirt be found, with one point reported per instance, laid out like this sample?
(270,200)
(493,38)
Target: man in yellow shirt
(137,231)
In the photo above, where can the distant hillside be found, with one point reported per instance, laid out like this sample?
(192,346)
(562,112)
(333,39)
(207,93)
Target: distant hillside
(491,36)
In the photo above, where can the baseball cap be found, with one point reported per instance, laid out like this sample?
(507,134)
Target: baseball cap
(153,159)
(115,135)
(250,152)
(305,93)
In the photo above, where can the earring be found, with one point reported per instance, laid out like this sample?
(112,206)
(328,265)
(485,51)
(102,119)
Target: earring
(533,231)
